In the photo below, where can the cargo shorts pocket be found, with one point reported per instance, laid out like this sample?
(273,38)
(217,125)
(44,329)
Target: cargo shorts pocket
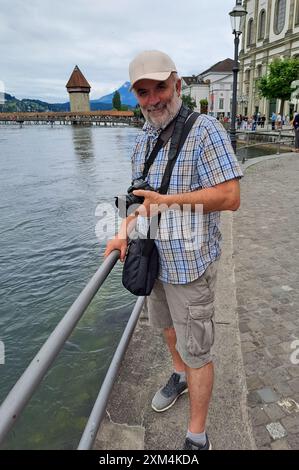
(200,328)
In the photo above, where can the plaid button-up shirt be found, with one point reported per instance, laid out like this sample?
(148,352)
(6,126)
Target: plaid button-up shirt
(206,159)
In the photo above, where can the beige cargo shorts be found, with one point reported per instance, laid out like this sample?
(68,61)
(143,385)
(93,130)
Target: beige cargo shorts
(189,308)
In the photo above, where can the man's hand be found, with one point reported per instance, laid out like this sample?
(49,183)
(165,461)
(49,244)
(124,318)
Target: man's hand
(152,200)
(120,244)
(120,241)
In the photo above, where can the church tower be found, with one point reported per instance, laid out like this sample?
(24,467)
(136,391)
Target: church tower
(78,89)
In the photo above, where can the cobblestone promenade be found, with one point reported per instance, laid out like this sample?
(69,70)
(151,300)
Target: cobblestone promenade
(266,254)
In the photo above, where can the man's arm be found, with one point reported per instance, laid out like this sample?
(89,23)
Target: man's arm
(222,197)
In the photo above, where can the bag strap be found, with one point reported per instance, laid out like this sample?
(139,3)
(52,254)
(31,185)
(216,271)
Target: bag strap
(161,142)
(173,130)
(173,155)
(172,158)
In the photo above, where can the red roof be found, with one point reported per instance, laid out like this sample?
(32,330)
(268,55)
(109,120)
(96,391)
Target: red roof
(77,80)
(222,66)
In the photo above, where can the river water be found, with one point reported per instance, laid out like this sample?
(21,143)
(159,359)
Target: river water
(51,181)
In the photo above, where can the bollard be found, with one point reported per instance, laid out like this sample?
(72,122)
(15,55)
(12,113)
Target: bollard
(247,145)
(278,143)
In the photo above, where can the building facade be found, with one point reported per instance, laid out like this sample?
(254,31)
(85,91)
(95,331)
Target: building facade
(214,85)
(78,89)
(271,31)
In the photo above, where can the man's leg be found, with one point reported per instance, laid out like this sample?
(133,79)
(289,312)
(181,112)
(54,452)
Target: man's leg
(160,317)
(170,338)
(200,384)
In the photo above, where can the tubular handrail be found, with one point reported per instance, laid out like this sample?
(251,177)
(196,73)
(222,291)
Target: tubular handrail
(259,144)
(98,411)
(266,132)
(277,142)
(24,388)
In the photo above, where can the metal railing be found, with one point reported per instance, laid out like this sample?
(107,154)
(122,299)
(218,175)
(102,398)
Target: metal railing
(277,142)
(99,408)
(20,394)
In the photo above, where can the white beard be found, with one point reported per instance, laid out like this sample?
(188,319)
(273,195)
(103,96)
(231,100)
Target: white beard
(169,113)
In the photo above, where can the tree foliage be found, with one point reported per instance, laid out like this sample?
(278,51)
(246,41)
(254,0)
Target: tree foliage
(204,106)
(277,83)
(189,102)
(116,101)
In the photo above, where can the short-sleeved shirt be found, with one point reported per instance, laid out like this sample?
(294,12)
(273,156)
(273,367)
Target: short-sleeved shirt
(206,159)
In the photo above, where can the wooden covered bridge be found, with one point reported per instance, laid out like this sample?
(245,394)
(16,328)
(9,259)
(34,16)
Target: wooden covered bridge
(101,118)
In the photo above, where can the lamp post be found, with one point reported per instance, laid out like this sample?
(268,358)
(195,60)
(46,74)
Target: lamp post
(237,16)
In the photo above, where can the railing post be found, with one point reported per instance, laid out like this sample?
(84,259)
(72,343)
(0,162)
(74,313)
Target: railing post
(247,145)
(278,142)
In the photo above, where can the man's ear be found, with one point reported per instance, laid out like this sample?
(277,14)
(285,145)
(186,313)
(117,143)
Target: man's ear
(178,86)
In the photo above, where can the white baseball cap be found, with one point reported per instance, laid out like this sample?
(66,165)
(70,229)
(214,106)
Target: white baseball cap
(153,65)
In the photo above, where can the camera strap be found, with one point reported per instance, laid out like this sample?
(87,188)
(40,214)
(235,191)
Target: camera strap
(170,131)
(176,145)
(183,127)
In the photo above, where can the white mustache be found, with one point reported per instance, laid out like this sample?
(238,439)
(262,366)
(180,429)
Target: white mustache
(157,107)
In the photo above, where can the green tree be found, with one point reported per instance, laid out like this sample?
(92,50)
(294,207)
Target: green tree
(277,83)
(137,112)
(204,106)
(116,101)
(189,102)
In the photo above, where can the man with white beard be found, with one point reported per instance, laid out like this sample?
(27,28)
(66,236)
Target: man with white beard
(206,174)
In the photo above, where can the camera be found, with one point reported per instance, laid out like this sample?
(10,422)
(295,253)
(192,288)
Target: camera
(123,203)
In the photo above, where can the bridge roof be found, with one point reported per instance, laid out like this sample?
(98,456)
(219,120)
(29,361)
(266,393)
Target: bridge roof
(77,79)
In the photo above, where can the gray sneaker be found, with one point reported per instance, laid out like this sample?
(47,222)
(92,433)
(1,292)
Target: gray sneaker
(168,395)
(190,445)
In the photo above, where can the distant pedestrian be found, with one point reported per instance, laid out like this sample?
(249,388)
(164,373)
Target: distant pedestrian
(278,121)
(296,129)
(254,121)
(259,119)
(273,121)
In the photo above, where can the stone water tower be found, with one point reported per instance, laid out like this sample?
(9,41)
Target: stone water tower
(78,89)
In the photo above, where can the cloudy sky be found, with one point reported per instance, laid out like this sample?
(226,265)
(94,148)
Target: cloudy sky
(42,40)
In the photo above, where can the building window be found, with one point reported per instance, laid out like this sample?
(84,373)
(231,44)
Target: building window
(297,13)
(250,33)
(262,25)
(221,103)
(247,75)
(259,70)
(279,16)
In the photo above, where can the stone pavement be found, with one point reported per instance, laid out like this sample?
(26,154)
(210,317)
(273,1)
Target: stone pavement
(266,255)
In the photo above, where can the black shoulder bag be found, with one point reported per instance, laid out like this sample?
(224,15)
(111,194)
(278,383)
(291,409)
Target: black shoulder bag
(141,267)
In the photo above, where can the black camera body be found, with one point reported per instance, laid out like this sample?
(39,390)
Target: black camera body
(123,203)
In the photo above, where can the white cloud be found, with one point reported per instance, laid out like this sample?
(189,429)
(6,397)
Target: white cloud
(41,42)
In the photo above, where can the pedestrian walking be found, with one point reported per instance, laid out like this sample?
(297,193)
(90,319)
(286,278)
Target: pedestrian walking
(296,130)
